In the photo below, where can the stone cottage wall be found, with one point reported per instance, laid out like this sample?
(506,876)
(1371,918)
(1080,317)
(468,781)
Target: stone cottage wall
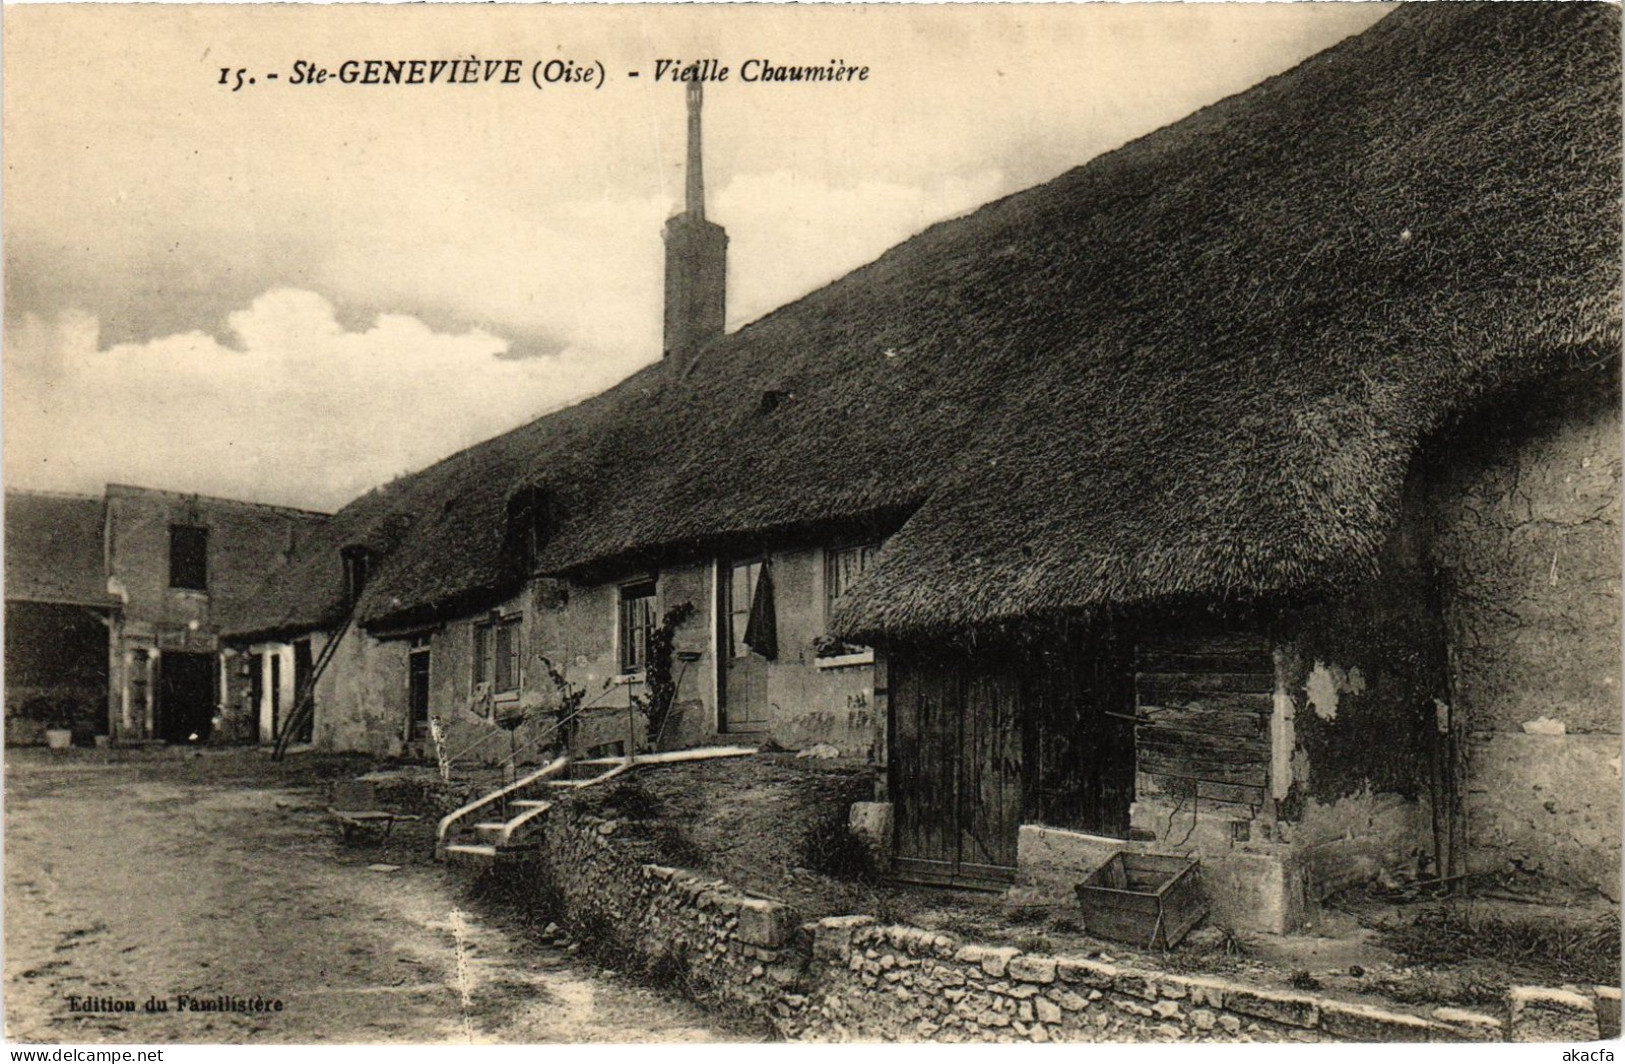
(1359,682)
(1528,535)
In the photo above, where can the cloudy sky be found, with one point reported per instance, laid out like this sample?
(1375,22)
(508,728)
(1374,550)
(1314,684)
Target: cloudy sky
(292,293)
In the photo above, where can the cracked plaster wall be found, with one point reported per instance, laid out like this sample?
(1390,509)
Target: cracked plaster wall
(1357,682)
(1527,524)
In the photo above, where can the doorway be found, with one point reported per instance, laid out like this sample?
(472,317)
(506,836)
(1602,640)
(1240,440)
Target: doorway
(744,686)
(303,667)
(185,696)
(417,690)
(955,768)
(1041,733)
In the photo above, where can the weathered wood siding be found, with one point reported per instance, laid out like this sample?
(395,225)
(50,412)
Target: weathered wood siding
(1204,704)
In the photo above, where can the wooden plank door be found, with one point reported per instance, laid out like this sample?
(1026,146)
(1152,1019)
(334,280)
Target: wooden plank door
(303,667)
(990,778)
(924,771)
(744,687)
(955,773)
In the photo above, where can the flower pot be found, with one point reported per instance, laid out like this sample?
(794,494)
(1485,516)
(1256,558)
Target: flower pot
(58,738)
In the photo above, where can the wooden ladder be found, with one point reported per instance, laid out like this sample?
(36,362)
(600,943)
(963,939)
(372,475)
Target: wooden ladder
(305,705)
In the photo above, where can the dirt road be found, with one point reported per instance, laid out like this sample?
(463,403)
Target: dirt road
(135,877)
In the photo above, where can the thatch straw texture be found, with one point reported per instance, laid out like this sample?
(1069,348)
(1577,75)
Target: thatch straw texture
(54,549)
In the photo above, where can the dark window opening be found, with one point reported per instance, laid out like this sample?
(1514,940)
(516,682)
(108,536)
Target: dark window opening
(637,625)
(846,567)
(531,518)
(357,561)
(482,654)
(189,557)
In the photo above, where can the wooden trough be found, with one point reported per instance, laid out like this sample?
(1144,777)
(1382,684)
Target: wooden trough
(1148,899)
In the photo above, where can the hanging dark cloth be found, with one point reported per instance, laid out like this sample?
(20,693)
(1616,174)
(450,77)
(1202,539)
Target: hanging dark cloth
(762,629)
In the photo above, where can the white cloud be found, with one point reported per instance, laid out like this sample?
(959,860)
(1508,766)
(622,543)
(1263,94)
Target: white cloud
(296,409)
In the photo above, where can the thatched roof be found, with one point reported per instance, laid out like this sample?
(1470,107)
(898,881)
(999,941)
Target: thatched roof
(1196,366)
(54,549)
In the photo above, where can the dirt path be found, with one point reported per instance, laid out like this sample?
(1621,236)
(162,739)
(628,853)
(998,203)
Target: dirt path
(137,880)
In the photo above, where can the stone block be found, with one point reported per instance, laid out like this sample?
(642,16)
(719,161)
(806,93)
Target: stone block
(1466,1018)
(1608,1011)
(1363,1023)
(1294,1010)
(871,823)
(1258,889)
(995,960)
(1135,985)
(1202,991)
(1033,969)
(832,936)
(1542,1014)
(1050,862)
(1071,1002)
(1047,1011)
(1089,973)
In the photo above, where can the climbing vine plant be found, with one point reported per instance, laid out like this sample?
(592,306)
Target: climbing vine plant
(568,701)
(660,686)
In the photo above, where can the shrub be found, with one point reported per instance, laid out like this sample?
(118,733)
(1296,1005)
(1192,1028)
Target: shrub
(829,847)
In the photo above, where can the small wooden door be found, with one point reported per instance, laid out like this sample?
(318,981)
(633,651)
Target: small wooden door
(744,686)
(955,765)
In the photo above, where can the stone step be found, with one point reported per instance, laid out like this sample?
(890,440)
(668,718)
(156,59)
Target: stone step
(471,853)
(490,829)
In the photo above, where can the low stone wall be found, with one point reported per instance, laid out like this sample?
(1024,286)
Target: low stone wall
(724,946)
(848,978)
(905,984)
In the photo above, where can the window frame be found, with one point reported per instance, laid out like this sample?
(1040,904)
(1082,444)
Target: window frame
(512,627)
(488,637)
(832,562)
(177,529)
(632,654)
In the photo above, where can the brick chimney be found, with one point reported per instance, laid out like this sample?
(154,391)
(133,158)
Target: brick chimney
(696,257)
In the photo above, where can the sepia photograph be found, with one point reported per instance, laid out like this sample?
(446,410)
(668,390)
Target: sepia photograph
(812,523)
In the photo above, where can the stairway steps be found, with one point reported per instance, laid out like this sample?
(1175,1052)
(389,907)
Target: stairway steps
(529,803)
(472,852)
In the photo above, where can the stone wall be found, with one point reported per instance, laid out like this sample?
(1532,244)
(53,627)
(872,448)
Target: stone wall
(868,982)
(1527,530)
(574,627)
(847,978)
(723,946)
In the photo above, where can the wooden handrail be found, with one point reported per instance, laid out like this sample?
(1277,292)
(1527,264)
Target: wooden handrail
(447,822)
